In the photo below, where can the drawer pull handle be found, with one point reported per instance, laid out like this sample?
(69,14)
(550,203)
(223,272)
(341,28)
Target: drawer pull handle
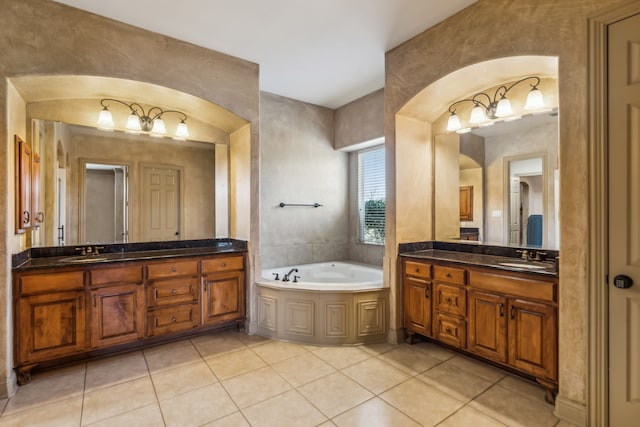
(501,310)
(155,293)
(417,270)
(448,275)
(224,264)
(173,270)
(448,330)
(173,292)
(448,301)
(173,320)
(426,292)
(513,313)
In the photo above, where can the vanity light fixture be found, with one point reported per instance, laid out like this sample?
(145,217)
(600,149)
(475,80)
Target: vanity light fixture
(141,121)
(487,108)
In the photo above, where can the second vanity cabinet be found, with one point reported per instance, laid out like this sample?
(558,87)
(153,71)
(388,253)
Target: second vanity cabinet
(70,313)
(506,317)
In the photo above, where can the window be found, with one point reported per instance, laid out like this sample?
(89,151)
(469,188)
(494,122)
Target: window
(371,195)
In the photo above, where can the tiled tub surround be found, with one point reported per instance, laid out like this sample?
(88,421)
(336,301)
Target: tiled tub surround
(348,306)
(72,307)
(484,301)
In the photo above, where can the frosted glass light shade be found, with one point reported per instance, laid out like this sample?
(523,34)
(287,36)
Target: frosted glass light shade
(158,127)
(477,115)
(504,108)
(182,130)
(534,100)
(133,123)
(105,119)
(454,123)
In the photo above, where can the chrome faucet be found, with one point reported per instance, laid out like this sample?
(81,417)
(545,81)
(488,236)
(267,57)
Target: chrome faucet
(526,255)
(285,278)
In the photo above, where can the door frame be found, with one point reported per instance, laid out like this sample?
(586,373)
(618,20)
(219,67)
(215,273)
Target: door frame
(598,344)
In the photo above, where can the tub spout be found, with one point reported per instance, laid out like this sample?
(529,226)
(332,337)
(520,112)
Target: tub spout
(285,278)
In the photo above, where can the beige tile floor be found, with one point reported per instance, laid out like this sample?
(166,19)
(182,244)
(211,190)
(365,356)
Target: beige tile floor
(233,379)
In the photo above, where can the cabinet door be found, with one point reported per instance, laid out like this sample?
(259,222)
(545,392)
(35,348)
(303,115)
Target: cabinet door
(487,325)
(50,325)
(532,338)
(417,305)
(117,314)
(223,297)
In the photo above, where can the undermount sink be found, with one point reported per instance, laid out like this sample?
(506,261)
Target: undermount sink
(524,265)
(82,259)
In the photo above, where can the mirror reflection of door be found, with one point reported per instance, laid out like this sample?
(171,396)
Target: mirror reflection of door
(526,200)
(161,204)
(105,203)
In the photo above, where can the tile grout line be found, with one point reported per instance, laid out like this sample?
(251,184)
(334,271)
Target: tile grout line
(155,391)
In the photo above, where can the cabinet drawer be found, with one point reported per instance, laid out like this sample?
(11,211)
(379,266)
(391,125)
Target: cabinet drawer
(214,265)
(417,269)
(172,269)
(47,282)
(514,285)
(172,291)
(450,299)
(449,274)
(172,319)
(120,274)
(450,330)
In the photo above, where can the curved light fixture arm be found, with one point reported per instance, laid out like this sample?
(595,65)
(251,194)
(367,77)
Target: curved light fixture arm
(490,104)
(146,118)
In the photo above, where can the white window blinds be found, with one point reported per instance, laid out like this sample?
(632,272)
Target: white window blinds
(371,195)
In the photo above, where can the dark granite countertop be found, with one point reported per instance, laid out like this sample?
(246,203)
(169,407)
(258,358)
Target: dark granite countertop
(59,258)
(547,268)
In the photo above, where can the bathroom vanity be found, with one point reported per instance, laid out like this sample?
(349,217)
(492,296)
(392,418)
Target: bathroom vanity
(76,307)
(499,308)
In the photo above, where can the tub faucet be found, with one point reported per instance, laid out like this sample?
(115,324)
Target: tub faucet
(285,278)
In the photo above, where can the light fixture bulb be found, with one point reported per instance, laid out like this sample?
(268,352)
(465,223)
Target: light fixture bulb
(182,131)
(158,127)
(504,108)
(454,123)
(477,115)
(534,100)
(105,119)
(133,123)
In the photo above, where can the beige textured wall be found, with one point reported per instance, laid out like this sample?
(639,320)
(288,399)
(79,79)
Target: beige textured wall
(300,165)
(528,27)
(360,120)
(45,37)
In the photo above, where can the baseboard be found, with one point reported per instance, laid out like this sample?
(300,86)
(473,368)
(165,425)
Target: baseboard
(8,385)
(395,336)
(570,411)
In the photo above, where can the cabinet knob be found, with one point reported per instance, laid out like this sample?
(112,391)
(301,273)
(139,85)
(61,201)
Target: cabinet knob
(448,275)
(173,320)
(173,270)
(448,300)
(173,292)
(224,264)
(448,330)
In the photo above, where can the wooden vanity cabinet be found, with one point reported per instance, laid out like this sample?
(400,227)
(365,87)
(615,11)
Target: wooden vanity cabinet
(71,313)
(116,297)
(223,296)
(506,317)
(417,287)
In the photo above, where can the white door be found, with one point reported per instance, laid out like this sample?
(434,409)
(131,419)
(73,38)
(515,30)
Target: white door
(624,222)
(160,203)
(514,210)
